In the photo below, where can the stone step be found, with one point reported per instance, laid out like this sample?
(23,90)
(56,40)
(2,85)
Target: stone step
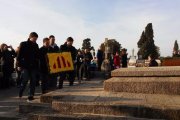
(9,118)
(140,111)
(27,108)
(147,72)
(81,117)
(148,85)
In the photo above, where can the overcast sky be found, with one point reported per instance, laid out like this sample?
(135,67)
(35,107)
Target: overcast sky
(123,20)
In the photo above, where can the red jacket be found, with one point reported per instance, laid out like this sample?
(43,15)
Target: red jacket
(117,61)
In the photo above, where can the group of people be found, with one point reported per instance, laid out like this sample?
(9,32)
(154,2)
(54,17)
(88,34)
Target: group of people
(31,64)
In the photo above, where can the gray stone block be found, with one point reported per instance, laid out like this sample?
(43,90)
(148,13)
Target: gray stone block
(138,111)
(147,72)
(148,85)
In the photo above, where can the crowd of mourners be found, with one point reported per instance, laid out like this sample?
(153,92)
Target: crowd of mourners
(29,62)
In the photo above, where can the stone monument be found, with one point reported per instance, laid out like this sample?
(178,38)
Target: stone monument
(106,66)
(132,60)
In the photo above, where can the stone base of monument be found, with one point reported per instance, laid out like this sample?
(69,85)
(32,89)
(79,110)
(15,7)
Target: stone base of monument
(155,80)
(131,94)
(148,85)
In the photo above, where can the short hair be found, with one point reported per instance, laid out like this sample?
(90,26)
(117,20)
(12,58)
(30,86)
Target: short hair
(2,46)
(51,36)
(45,40)
(70,39)
(33,34)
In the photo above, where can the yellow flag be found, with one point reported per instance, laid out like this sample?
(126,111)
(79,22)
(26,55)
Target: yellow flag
(59,62)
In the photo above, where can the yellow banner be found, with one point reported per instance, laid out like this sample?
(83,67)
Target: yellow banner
(59,62)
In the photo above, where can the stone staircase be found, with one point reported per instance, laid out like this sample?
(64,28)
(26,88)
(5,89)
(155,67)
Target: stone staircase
(131,94)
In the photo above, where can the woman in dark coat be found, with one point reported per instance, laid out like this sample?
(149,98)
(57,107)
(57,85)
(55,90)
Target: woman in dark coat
(7,61)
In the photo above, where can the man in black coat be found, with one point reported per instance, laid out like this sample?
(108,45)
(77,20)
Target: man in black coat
(44,69)
(28,63)
(55,49)
(67,47)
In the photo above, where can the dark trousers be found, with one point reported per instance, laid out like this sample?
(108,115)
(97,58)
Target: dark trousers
(70,75)
(26,76)
(7,71)
(87,70)
(19,78)
(53,81)
(124,64)
(79,71)
(45,82)
(99,64)
(1,78)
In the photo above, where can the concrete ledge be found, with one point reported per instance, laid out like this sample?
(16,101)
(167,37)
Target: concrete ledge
(69,108)
(147,72)
(148,85)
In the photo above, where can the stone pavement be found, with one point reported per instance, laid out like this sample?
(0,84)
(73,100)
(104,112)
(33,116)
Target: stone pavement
(9,103)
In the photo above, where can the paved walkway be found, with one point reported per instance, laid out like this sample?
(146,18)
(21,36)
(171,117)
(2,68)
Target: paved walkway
(9,101)
(89,92)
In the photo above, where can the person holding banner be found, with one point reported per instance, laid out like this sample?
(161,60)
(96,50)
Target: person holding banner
(28,63)
(44,69)
(67,47)
(55,49)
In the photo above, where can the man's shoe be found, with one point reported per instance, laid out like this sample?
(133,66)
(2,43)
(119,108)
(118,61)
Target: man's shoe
(30,99)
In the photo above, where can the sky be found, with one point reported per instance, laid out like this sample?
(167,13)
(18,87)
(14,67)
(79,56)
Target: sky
(123,20)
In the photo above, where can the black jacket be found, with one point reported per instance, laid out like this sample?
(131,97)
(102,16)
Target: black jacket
(79,59)
(100,55)
(88,57)
(71,49)
(44,68)
(124,60)
(28,56)
(7,59)
(55,49)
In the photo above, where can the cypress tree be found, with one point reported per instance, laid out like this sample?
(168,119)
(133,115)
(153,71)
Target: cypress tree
(146,43)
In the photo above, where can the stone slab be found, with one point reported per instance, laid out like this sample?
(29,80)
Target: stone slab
(69,108)
(34,107)
(81,117)
(148,85)
(147,72)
